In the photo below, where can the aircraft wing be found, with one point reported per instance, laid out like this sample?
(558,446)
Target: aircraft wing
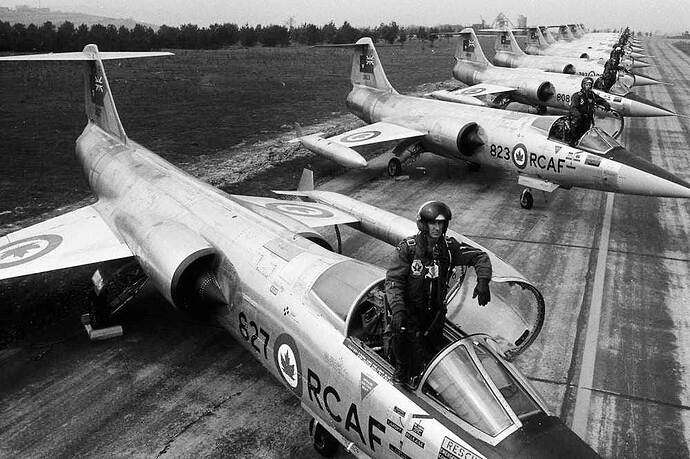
(478,90)
(537,183)
(469,95)
(312,214)
(76,238)
(375,133)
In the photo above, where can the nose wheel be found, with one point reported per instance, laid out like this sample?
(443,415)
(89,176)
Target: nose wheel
(324,443)
(394,167)
(526,199)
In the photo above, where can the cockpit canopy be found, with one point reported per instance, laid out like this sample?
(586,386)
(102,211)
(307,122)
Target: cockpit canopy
(471,386)
(595,140)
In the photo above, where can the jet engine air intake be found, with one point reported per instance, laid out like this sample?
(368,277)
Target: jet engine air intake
(569,69)
(182,265)
(584,56)
(542,91)
(456,138)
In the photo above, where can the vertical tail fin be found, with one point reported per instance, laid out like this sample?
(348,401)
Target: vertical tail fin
(469,49)
(514,47)
(564,33)
(533,37)
(545,37)
(366,67)
(502,42)
(100,106)
(505,41)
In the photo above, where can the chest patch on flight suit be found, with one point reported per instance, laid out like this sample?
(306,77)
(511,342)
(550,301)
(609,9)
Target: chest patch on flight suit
(416,267)
(432,271)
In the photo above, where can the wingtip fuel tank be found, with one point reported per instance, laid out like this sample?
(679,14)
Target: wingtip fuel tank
(341,154)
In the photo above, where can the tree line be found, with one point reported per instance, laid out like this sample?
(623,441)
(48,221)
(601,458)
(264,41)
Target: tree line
(68,37)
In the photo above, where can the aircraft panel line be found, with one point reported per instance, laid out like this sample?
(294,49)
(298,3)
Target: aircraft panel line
(589,354)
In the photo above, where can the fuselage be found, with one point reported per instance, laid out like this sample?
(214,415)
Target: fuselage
(556,64)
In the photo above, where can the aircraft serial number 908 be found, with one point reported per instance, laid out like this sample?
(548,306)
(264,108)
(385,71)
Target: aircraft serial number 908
(563,98)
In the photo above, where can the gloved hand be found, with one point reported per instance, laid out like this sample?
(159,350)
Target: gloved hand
(482,291)
(399,321)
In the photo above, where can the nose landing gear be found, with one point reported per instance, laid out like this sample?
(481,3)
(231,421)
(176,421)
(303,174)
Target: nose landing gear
(526,199)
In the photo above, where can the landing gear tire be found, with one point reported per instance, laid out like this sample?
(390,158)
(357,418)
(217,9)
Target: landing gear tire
(526,199)
(394,167)
(474,167)
(324,443)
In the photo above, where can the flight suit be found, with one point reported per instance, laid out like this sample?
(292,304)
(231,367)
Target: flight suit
(417,282)
(582,105)
(608,77)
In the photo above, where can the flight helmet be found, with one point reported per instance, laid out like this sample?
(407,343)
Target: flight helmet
(433,211)
(586,79)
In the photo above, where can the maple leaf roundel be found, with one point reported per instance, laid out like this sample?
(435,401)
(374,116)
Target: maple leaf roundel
(287,361)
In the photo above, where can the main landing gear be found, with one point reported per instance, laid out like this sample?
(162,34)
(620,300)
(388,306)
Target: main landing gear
(526,199)
(403,153)
(394,167)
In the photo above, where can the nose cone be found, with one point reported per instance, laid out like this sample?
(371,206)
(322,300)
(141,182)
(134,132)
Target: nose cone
(644,80)
(636,56)
(635,105)
(638,64)
(639,176)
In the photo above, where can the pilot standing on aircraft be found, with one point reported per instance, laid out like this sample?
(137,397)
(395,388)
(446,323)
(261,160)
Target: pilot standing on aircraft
(611,68)
(416,287)
(582,105)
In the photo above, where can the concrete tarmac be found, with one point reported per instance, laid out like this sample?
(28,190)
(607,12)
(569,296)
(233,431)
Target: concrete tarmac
(613,357)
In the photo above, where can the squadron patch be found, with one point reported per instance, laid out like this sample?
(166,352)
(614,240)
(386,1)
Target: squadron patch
(417,267)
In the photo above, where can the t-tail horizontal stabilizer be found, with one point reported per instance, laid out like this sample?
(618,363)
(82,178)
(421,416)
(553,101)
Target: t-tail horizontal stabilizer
(100,106)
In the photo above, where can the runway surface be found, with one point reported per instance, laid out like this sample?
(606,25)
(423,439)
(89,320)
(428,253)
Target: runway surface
(613,358)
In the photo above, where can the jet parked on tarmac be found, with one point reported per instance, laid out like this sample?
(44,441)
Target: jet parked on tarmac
(535,147)
(535,87)
(261,269)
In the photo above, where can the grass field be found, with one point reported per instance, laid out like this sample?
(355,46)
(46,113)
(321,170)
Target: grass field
(191,108)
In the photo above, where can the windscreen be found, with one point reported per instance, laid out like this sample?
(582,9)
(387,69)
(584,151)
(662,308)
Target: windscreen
(597,141)
(456,383)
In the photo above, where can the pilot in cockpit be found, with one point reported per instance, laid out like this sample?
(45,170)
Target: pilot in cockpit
(582,105)
(416,287)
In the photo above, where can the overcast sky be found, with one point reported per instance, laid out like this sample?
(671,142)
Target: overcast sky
(652,15)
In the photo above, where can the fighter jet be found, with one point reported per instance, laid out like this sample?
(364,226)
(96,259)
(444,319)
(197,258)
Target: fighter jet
(538,44)
(535,147)
(261,269)
(534,87)
(509,54)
